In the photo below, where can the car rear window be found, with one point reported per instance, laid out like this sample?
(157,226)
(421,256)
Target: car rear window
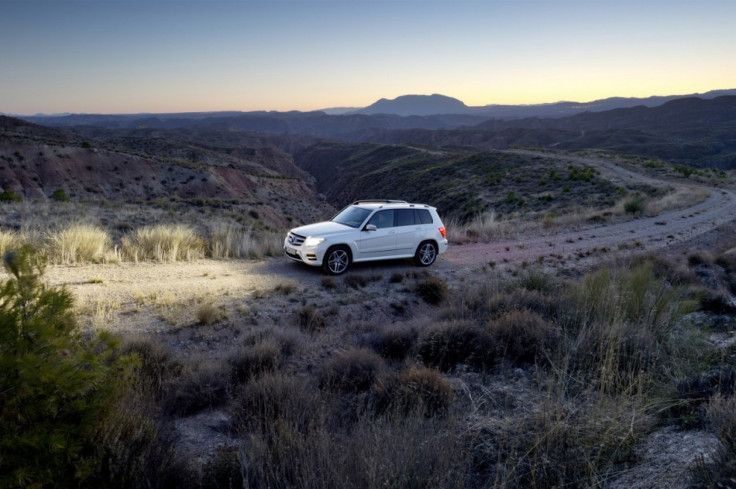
(410,217)
(423,216)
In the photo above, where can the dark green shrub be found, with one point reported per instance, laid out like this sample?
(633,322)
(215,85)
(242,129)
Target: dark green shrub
(444,345)
(635,205)
(10,196)
(60,195)
(432,290)
(57,389)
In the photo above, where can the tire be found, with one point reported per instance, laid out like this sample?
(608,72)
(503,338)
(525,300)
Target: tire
(336,260)
(426,254)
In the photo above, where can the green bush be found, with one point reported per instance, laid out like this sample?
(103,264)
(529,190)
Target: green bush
(10,196)
(56,388)
(635,205)
(60,195)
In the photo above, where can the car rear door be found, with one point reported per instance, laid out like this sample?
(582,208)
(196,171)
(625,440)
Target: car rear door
(408,231)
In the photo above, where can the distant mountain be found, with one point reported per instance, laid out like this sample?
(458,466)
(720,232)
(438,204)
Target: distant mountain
(420,105)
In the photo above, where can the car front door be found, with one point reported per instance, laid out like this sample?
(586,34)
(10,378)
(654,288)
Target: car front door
(381,241)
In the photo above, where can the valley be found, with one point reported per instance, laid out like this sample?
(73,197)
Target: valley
(578,331)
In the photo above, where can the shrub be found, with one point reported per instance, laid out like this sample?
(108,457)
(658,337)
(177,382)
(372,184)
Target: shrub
(721,471)
(60,195)
(207,314)
(432,290)
(163,243)
(157,369)
(355,281)
(521,336)
(393,343)
(8,195)
(310,319)
(78,243)
(9,240)
(444,345)
(416,390)
(253,360)
(352,371)
(635,205)
(201,386)
(57,390)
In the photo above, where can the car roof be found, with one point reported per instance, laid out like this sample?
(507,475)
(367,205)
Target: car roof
(389,204)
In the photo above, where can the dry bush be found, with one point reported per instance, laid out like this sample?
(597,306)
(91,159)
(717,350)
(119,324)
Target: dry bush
(355,281)
(163,243)
(310,319)
(721,471)
(157,368)
(78,243)
(521,337)
(328,283)
(10,240)
(416,390)
(207,314)
(226,240)
(444,345)
(566,443)
(202,385)
(432,290)
(255,359)
(352,371)
(395,342)
(293,440)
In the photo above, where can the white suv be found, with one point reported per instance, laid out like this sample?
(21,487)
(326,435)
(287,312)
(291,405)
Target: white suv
(370,230)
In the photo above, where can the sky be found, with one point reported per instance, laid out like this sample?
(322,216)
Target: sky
(133,56)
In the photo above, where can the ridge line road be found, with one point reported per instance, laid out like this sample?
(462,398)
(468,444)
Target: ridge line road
(643,234)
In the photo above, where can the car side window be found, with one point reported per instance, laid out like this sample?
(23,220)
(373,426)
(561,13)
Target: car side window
(423,216)
(405,217)
(383,219)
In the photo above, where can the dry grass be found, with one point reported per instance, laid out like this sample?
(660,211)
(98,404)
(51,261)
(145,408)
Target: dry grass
(236,241)
(163,243)
(80,243)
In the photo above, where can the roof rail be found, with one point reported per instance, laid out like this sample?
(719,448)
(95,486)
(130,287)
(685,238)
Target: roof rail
(379,201)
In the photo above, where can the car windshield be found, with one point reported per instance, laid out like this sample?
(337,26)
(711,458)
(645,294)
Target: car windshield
(352,216)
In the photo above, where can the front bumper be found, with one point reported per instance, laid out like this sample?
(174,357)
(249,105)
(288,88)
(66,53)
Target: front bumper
(311,256)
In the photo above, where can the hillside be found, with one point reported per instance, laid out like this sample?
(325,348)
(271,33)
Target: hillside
(462,184)
(259,180)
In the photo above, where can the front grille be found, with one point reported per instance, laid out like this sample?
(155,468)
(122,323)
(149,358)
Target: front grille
(295,239)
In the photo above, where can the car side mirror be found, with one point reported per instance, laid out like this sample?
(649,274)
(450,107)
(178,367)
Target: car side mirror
(370,227)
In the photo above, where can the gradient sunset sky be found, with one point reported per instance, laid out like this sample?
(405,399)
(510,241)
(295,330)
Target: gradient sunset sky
(110,56)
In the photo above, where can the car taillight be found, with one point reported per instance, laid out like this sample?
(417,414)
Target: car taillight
(443,232)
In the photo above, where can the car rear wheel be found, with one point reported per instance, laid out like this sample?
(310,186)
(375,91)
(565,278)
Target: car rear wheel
(336,260)
(426,254)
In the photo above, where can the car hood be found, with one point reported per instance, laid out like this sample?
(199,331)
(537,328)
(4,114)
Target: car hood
(325,228)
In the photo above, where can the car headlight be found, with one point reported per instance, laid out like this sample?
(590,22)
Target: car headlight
(311,241)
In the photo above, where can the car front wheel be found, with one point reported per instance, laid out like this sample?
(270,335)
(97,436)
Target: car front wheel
(426,254)
(336,260)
